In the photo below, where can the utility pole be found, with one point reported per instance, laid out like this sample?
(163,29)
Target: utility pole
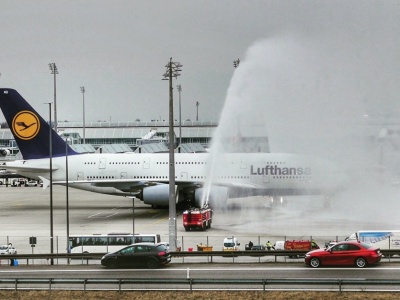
(173,69)
(51,187)
(197,109)
(179,87)
(84,128)
(53,69)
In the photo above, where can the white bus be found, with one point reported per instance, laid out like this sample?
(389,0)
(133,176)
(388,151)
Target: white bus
(104,243)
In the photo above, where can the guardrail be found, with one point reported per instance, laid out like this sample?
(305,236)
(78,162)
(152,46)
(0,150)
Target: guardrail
(190,283)
(178,254)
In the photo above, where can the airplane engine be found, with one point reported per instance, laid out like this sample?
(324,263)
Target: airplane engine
(4,152)
(217,198)
(157,195)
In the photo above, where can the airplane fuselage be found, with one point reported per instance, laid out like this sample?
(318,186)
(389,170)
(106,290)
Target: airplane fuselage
(287,173)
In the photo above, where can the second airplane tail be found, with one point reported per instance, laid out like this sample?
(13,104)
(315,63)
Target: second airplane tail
(30,130)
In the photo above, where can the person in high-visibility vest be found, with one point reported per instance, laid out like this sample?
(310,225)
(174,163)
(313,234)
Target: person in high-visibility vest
(269,246)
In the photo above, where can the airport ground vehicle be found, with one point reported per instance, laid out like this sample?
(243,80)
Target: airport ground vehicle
(231,244)
(7,249)
(142,254)
(200,218)
(18,182)
(344,253)
(103,243)
(31,183)
(383,239)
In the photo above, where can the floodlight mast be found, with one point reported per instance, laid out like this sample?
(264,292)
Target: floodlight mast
(173,69)
(179,87)
(83,106)
(53,69)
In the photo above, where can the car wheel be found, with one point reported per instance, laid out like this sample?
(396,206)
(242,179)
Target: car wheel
(111,263)
(361,262)
(314,262)
(152,263)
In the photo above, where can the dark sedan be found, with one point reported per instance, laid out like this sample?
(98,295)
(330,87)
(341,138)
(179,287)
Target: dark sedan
(344,253)
(142,254)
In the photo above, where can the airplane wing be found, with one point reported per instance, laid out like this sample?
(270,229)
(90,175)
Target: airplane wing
(121,186)
(126,184)
(132,185)
(20,167)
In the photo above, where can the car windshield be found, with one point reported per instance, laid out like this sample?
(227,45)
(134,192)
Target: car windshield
(3,247)
(229,244)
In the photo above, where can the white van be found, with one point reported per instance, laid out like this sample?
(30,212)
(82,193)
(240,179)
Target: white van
(279,245)
(231,244)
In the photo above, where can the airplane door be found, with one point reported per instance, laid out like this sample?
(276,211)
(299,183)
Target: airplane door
(184,176)
(123,175)
(265,178)
(79,176)
(102,163)
(146,163)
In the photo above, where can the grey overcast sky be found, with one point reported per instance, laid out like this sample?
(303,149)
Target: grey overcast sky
(118,49)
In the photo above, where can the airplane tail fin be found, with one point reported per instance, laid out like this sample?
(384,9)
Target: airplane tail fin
(30,130)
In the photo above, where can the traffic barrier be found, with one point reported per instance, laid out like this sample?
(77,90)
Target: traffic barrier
(189,283)
(390,254)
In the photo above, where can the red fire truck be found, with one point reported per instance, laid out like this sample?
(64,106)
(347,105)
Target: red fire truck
(200,218)
(300,246)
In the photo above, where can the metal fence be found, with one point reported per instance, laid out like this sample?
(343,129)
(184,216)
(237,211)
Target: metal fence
(191,284)
(189,240)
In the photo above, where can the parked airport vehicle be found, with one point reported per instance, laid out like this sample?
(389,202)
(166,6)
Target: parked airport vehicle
(197,218)
(143,254)
(258,248)
(344,253)
(103,243)
(231,244)
(7,249)
(31,183)
(18,182)
(279,245)
(146,176)
(383,239)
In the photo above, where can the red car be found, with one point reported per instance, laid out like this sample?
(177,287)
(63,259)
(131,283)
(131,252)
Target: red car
(344,253)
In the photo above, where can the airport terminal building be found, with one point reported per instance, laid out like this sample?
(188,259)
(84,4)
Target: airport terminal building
(132,134)
(143,136)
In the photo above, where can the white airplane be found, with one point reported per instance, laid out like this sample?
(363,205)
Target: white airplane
(146,176)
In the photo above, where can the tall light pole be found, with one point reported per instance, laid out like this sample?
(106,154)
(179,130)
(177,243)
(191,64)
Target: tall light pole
(179,87)
(84,128)
(67,193)
(53,69)
(51,186)
(173,69)
(197,108)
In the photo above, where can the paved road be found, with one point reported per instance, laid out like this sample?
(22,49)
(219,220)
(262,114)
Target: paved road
(291,271)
